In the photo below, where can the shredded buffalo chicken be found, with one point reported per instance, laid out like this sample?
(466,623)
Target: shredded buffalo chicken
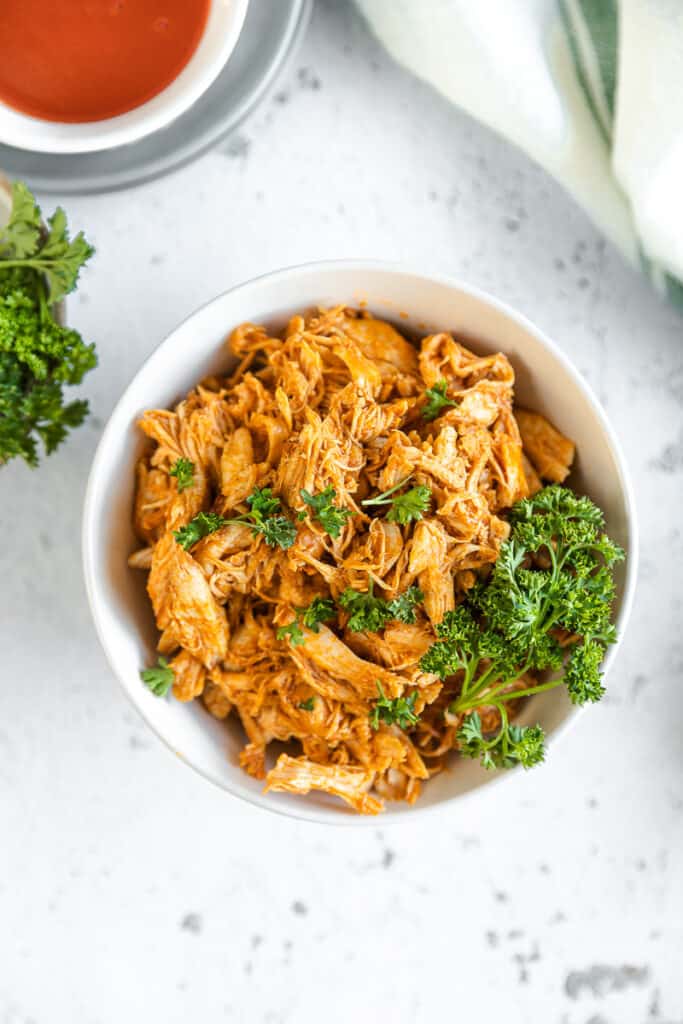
(335,401)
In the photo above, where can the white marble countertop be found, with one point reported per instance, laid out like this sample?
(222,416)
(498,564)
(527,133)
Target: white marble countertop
(130,890)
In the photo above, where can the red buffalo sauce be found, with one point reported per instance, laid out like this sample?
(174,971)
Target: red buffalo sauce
(86,60)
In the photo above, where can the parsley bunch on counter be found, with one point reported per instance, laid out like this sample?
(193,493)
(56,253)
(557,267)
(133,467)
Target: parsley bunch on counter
(38,357)
(546,608)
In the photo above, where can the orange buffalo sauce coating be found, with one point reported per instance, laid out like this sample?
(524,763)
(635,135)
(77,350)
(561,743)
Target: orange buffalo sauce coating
(87,60)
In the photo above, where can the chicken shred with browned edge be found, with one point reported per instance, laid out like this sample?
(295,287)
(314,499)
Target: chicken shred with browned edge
(336,401)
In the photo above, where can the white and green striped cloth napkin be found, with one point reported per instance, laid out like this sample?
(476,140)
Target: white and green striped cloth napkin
(591,89)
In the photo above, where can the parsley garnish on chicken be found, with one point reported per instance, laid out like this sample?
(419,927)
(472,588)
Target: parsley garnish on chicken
(292,632)
(369,613)
(183,471)
(404,507)
(437,401)
(399,711)
(159,679)
(199,526)
(515,744)
(531,618)
(331,517)
(402,608)
(264,517)
(321,609)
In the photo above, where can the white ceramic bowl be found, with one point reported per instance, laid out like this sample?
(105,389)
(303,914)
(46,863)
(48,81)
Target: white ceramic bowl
(223,27)
(546,381)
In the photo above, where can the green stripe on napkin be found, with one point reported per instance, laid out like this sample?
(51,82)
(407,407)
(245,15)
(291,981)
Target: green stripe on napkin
(592,29)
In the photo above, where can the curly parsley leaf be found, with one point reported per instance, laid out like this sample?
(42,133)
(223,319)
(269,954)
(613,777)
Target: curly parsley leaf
(278,531)
(159,679)
(292,632)
(321,609)
(399,711)
(199,526)
(263,518)
(263,503)
(559,501)
(582,675)
(410,506)
(404,507)
(368,614)
(437,401)
(513,745)
(402,608)
(183,470)
(545,608)
(526,604)
(462,645)
(331,517)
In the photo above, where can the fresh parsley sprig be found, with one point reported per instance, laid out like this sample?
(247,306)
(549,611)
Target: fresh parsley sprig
(183,470)
(404,507)
(515,620)
(331,517)
(369,613)
(321,609)
(264,517)
(53,255)
(199,526)
(292,632)
(402,607)
(512,745)
(399,711)
(159,678)
(437,401)
(307,705)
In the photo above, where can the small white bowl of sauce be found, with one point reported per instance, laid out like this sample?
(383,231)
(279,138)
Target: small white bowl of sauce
(95,74)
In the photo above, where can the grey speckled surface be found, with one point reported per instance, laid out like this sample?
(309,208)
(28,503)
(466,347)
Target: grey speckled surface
(131,890)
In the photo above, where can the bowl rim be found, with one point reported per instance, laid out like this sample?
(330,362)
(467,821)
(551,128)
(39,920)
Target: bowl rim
(39,135)
(400,269)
